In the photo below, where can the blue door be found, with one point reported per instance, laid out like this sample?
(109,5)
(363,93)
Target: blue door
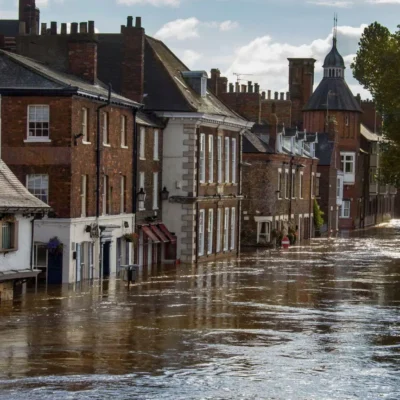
(55,267)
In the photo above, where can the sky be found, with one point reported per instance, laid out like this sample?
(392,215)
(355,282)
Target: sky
(252,38)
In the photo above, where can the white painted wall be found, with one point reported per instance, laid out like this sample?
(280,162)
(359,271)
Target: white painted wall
(20,259)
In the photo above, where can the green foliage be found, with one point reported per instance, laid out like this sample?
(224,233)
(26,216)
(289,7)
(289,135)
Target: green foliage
(376,67)
(318,215)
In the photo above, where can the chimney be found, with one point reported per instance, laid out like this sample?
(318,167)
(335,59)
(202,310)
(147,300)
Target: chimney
(43,29)
(29,14)
(269,95)
(250,86)
(231,88)
(237,87)
(92,29)
(244,87)
(263,95)
(82,53)
(282,96)
(276,96)
(256,88)
(53,28)
(22,27)
(132,66)
(222,84)
(64,28)
(213,81)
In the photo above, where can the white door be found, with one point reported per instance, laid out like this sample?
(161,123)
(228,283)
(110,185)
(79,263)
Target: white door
(78,263)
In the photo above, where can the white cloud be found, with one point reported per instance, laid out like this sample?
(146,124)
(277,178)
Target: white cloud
(190,57)
(228,25)
(266,58)
(157,3)
(180,29)
(329,3)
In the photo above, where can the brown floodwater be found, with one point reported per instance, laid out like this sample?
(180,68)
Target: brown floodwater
(315,322)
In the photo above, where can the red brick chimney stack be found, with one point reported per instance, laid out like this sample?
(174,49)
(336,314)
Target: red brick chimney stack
(132,69)
(29,14)
(82,51)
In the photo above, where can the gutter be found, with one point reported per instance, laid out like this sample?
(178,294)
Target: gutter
(135,159)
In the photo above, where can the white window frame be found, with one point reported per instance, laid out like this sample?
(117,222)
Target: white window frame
(345,211)
(122,205)
(156,150)
(293,184)
(210,229)
(38,191)
(142,144)
(219,155)
(34,138)
(226,229)
(227,160)
(301,184)
(234,166)
(84,182)
(201,233)
(106,136)
(124,135)
(219,220)
(349,177)
(287,187)
(233,228)
(279,183)
(106,184)
(85,127)
(155,190)
(210,158)
(142,182)
(202,159)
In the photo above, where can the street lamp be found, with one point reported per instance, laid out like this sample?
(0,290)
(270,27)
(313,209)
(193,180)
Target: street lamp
(141,195)
(164,194)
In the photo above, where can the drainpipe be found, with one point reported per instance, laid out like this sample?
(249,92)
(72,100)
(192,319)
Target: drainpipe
(240,202)
(135,159)
(291,187)
(198,192)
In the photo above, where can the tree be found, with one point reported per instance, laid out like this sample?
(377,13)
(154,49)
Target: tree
(377,67)
(318,216)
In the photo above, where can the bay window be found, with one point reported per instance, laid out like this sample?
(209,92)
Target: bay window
(348,166)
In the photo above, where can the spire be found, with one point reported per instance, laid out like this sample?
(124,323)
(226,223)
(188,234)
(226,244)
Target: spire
(335,25)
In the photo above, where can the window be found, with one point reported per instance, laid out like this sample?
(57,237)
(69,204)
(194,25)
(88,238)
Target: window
(38,185)
(38,123)
(203,87)
(106,139)
(312,185)
(142,186)
(210,158)
(156,146)
(124,136)
(301,185)
(234,166)
(233,228)
(142,154)
(8,236)
(202,160)
(264,229)
(201,233)
(226,230)
(227,162)
(106,196)
(317,185)
(346,120)
(338,189)
(219,145)
(85,129)
(279,183)
(155,191)
(210,231)
(348,167)
(287,184)
(219,220)
(122,206)
(345,209)
(293,184)
(84,183)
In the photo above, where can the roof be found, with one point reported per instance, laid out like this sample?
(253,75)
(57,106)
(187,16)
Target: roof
(339,95)
(254,144)
(22,73)
(164,74)
(372,137)
(143,118)
(334,59)
(9,27)
(14,195)
(324,149)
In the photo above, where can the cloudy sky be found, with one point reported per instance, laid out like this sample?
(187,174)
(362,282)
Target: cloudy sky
(252,37)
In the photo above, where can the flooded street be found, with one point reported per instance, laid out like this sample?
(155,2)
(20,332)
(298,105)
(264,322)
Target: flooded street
(316,322)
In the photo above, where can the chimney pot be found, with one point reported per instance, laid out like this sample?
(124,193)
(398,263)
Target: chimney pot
(63,28)
(231,87)
(53,28)
(130,22)
(250,86)
(269,95)
(244,87)
(256,88)
(282,96)
(263,95)
(92,29)
(237,88)
(43,28)
(22,27)
(138,23)
(83,27)
(276,95)
(74,28)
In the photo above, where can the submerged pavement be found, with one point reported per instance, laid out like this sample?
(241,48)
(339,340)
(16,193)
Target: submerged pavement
(315,322)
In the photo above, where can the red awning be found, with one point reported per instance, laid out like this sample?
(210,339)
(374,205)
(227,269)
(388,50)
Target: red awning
(159,234)
(149,233)
(167,233)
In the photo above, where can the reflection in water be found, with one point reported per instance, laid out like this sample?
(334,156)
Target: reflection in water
(316,322)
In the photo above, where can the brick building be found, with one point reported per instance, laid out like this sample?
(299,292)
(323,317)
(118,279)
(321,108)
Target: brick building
(70,140)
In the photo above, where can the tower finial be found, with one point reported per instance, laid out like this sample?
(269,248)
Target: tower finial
(335,25)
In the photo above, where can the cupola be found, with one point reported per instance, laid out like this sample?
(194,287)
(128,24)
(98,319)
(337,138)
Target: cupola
(334,64)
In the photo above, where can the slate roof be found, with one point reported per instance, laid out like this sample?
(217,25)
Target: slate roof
(143,118)
(22,73)
(341,98)
(290,132)
(372,137)
(254,144)
(14,195)
(9,27)
(334,59)
(166,88)
(324,149)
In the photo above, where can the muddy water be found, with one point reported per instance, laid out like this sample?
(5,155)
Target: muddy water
(317,322)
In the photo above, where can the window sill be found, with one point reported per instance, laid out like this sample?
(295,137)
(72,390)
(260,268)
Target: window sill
(6,251)
(124,147)
(156,159)
(142,209)
(106,145)
(155,209)
(84,142)
(142,159)
(37,141)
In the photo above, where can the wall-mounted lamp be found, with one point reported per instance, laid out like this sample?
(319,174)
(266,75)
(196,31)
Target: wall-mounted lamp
(141,195)
(126,224)
(76,137)
(164,194)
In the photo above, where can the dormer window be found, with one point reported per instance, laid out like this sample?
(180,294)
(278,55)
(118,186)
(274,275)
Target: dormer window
(197,80)
(203,87)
